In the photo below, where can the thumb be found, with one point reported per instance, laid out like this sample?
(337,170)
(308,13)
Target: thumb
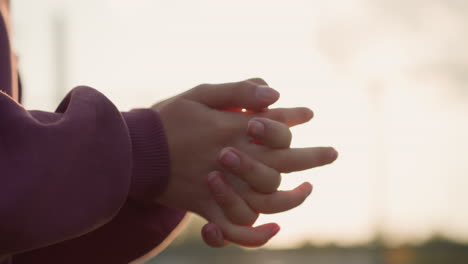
(250,94)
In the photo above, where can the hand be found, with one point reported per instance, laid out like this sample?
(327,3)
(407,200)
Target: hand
(241,206)
(197,130)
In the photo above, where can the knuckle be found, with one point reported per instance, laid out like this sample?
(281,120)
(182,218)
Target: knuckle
(283,163)
(268,204)
(248,167)
(219,124)
(248,219)
(226,200)
(270,158)
(228,128)
(272,183)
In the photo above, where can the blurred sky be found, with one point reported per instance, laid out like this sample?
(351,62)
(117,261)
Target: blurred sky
(387,79)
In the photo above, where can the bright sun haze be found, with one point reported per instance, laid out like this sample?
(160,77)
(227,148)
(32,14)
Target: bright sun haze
(388,92)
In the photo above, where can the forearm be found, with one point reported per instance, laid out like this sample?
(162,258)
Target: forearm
(67,173)
(136,230)
(63,173)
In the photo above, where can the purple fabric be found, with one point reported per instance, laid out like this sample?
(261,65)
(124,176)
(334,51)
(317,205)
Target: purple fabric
(115,242)
(80,182)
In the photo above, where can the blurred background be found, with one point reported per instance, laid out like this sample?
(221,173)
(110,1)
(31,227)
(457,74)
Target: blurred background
(387,80)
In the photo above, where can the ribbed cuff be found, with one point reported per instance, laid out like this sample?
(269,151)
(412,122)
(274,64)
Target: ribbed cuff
(150,154)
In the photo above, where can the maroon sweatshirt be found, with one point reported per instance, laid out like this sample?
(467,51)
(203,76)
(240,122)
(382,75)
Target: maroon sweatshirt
(78,185)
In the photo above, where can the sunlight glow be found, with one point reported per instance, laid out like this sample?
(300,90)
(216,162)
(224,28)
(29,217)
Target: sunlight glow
(397,117)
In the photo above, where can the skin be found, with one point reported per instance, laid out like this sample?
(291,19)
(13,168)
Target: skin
(231,206)
(243,206)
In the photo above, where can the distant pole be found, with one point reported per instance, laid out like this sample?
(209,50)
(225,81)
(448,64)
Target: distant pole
(380,169)
(60,53)
(379,155)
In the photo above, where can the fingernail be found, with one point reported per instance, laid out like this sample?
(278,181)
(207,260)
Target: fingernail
(274,230)
(333,154)
(217,234)
(230,159)
(213,234)
(266,93)
(255,128)
(216,182)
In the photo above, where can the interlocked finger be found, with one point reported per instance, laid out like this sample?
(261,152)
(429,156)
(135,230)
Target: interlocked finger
(288,116)
(279,201)
(246,236)
(233,206)
(297,159)
(250,94)
(260,177)
(213,236)
(270,133)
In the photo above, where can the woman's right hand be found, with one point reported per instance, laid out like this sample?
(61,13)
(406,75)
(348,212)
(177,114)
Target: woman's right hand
(197,128)
(242,203)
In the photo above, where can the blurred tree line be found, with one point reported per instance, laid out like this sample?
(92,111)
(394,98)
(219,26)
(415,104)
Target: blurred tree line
(189,248)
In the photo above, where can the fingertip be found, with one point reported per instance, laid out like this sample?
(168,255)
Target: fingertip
(327,155)
(332,154)
(212,176)
(266,95)
(307,187)
(274,230)
(212,235)
(309,114)
(268,230)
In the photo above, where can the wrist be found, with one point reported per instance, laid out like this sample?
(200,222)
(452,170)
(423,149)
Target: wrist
(150,154)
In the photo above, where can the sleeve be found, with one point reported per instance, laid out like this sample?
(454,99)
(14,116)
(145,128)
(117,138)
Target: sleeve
(73,173)
(137,230)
